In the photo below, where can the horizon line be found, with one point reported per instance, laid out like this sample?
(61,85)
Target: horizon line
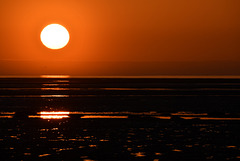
(125,76)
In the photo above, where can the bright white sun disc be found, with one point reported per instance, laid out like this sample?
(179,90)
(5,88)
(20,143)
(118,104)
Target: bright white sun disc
(54,36)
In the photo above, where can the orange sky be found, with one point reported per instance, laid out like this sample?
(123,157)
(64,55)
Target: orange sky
(175,34)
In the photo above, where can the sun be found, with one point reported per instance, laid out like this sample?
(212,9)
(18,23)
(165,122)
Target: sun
(55,36)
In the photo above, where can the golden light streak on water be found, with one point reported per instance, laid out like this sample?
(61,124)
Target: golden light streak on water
(213,118)
(9,116)
(139,154)
(163,117)
(33,116)
(55,89)
(54,96)
(177,150)
(43,155)
(7,113)
(54,114)
(189,118)
(55,76)
(103,117)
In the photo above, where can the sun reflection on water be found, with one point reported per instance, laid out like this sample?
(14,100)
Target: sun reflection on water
(53,95)
(54,114)
(55,76)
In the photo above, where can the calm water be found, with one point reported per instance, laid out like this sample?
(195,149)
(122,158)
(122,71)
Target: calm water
(119,119)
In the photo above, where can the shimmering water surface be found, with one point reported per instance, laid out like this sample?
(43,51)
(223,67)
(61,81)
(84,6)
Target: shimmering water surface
(63,118)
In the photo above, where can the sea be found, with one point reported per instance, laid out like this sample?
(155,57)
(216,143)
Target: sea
(64,118)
